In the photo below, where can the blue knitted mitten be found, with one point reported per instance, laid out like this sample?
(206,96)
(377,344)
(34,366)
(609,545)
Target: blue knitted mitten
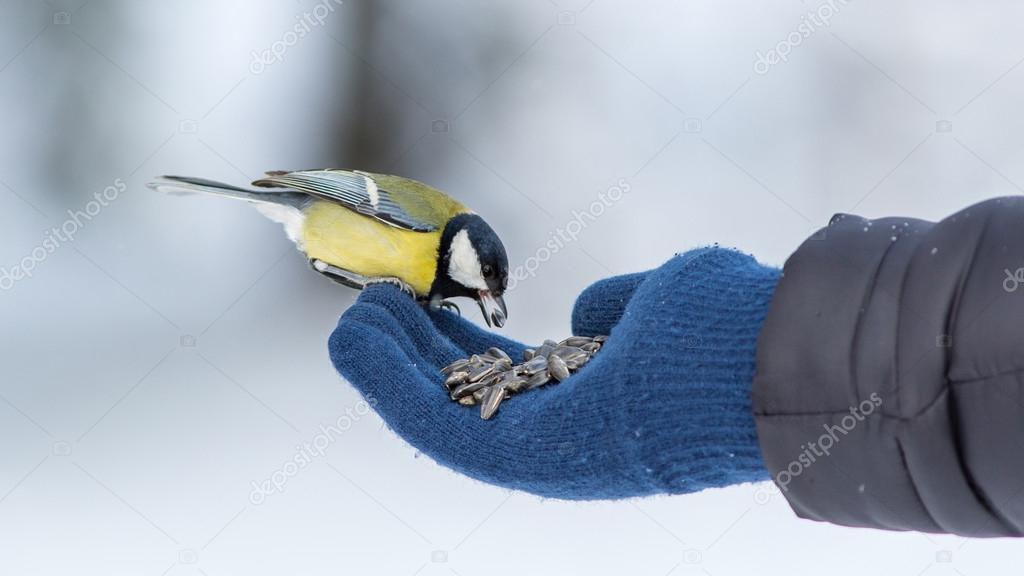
(664,407)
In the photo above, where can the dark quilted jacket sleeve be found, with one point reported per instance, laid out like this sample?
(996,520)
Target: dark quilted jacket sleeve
(890,373)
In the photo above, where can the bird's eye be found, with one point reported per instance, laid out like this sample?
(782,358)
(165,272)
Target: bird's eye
(487,270)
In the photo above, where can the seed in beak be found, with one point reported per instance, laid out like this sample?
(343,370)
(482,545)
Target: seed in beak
(493,307)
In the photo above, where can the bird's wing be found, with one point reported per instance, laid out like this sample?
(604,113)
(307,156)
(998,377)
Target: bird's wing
(400,202)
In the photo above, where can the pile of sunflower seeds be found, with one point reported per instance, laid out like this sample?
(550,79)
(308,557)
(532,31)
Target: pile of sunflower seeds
(491,377)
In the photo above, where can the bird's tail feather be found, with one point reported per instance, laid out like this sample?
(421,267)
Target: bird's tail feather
(190,185)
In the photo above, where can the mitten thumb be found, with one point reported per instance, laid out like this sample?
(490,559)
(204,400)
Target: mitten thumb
(600,306)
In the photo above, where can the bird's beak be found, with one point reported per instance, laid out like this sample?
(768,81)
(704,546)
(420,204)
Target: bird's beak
(492,307)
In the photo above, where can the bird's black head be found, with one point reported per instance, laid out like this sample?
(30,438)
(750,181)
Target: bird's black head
(471,262)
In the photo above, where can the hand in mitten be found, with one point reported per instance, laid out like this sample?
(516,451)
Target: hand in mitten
(664,407)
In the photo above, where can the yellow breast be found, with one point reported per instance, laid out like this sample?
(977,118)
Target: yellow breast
(368,247)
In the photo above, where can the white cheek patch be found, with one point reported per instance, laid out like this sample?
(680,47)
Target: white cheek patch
(464,263)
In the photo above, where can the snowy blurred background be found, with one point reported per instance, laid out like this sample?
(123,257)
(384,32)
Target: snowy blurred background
(169,353)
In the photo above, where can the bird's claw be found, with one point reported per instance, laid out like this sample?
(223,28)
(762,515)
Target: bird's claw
(437,303)
(449,305)
(401,284)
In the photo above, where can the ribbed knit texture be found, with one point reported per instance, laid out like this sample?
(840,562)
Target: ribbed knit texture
(664,407)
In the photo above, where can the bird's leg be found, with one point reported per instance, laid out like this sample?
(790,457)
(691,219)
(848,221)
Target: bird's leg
(437,303)
(353,280)
(343,277)
(402,285)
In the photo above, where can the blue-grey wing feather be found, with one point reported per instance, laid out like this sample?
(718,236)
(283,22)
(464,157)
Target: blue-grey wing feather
(354,190)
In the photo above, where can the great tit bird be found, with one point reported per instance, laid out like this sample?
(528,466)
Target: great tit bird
(360,228)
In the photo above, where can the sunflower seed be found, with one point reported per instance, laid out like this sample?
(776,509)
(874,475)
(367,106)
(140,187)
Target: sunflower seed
(491,401)
(539,379)
(562,350)
(491,377)
(480,372)
(556,366)
(570,354)
(577,363)
(535,365)
(455,366)
(578,359)
(498,353)
(600,339)
(516,384)
(456,378)
(468,388)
